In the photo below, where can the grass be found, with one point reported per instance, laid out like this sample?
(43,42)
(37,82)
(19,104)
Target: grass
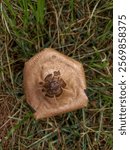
(81,29)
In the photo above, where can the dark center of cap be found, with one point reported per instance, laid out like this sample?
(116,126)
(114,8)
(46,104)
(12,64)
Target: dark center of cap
(54,85)
(54,88)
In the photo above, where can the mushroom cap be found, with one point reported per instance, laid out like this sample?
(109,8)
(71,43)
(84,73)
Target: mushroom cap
(54,84)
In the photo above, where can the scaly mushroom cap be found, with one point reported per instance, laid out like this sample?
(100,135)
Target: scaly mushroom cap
(54,84)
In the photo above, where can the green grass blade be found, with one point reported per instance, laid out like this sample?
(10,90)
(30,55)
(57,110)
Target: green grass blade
(71,3)
(40,11)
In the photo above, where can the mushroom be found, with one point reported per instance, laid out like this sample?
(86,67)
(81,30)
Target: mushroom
(54,84)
